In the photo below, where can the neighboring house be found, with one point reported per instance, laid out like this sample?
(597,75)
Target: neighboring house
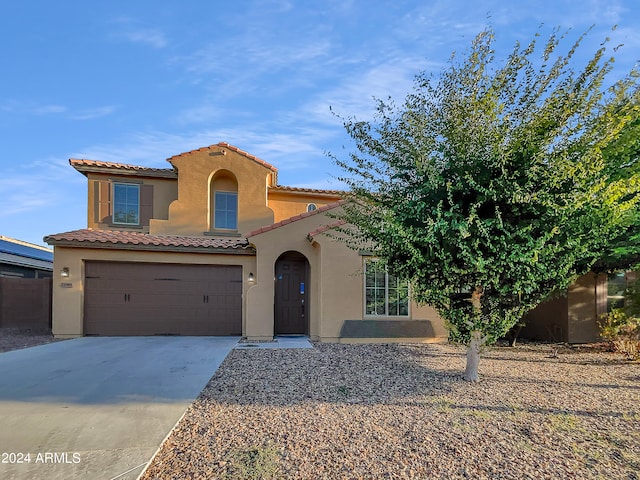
(214,246)
(25,284)
(574,317)
(24,260)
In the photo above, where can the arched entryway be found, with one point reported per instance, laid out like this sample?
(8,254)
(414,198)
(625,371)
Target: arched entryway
(291,302)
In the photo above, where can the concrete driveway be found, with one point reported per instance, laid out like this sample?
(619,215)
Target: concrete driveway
(98,407)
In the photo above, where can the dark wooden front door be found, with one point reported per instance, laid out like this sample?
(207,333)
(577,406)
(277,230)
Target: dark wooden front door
(291,302)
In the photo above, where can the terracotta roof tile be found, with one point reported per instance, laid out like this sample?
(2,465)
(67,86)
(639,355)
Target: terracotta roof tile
(283,188)
(92,238)
(295,218)
(83,165)
(219,145)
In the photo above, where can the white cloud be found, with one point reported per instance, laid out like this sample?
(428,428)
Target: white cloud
(47,109)
(92,113)
(17,202)
(32,108)
(290,150)
(150,37)
(204,112)
(34,186)
(130,30)
(233,66)
(41,110)
(355,94)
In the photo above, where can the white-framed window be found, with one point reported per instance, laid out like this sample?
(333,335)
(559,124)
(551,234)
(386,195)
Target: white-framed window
(126,203)
(384,294)
(226,210)
(311,207)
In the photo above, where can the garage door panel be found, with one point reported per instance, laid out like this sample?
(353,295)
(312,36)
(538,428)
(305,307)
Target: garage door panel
(107,299)
(151,300)
(154,299)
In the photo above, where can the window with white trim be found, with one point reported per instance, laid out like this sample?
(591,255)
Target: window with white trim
(126,203)
(226,210)
(311,207)
(384,294)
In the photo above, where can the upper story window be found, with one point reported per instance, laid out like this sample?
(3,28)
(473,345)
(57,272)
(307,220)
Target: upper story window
(126,204)
(385,295)
(311,207)
(226,210)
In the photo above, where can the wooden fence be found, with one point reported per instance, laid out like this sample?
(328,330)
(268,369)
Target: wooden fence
(25,303)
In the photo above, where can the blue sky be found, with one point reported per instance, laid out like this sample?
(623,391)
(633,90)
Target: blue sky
(140,81)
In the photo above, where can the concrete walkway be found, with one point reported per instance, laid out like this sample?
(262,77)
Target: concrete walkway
(98,407)
(288,341)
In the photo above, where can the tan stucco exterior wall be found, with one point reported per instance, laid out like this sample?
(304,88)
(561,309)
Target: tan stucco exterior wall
(341,286)
(68,293)
(336,290)
(260,297)
(165,191)
(191,213)
(288,204)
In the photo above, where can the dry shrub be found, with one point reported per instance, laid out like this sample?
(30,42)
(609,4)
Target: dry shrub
(622,332)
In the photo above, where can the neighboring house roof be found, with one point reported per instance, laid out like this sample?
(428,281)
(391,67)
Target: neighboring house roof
(24,254)
(295,218)
(94,166)
(90,238)
(316,191)
(219,145)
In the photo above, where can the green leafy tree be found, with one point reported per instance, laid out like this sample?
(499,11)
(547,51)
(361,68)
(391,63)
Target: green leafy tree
(489,188)
(622,157)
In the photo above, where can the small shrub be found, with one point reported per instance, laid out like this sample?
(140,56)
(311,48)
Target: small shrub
(622,331)
(256,463)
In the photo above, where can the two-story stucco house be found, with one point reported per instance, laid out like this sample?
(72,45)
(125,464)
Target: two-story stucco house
(214,246)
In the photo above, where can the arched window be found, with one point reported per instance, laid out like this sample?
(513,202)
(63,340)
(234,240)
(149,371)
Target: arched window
(224,201)
(311,207)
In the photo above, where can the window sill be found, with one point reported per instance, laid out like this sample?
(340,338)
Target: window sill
(222,233)
(124,225)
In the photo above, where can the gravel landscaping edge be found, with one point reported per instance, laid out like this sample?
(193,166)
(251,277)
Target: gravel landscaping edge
(402,411)
(18,338)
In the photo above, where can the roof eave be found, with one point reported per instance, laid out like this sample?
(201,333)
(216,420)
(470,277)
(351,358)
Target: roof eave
(307,192)
(295,219)
(150,248)
(85,169)
(226,146)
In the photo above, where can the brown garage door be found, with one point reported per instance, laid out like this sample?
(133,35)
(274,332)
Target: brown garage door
(162,299)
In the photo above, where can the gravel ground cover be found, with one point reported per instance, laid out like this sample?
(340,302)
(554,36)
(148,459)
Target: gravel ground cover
(403,411)
(17,338)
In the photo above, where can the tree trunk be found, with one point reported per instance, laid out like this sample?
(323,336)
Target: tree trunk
(513,334)
(477,340)
(473,357)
